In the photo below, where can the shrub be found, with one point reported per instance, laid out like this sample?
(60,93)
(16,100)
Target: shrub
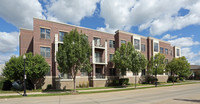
(115,82)
(49,86)
(181,78)
(7,85)
(83,85)
(123,81)
(150,80)
(171,78)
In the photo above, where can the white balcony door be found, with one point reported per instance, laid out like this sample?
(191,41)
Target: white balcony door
(98,57)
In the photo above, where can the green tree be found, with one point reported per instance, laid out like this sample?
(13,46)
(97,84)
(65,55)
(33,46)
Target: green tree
(121,57)
(138,62)
(179,66)
(184,67)
(36,68)
(74,54)
(126,58)
(159,60)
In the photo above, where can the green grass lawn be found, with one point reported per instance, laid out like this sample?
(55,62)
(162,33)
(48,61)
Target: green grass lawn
(67,92)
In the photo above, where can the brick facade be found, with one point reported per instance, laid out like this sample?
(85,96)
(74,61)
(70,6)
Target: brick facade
(30,41)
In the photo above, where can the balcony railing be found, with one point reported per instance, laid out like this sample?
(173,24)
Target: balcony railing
(99,45)
(99,76)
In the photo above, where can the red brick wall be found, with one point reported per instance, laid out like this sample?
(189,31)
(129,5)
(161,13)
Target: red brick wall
(26,41)
(165,45)
(56,27)
(144,41)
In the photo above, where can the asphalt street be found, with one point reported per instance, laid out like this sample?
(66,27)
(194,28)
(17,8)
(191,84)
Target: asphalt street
(182,94)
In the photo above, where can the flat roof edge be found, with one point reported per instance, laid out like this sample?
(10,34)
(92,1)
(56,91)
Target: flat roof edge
(74,26)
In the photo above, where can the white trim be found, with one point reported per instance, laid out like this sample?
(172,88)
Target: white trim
(156,41)
(139,38)
(176,52)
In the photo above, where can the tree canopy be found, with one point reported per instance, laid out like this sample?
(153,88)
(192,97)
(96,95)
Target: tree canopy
(158,59)
(179,66)
(36,68)
(127,58)
(74,54)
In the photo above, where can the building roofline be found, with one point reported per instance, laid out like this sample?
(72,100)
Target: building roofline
(74,26)
(159,40)
(26,29)
(128,33)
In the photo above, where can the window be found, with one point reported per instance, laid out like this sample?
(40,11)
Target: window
(123,42)
(44,33)
(166,51)
(143,72)
(45,52)
(178,52)
(137,44)
(99,73)
(161,50)
(97,41)
(65,76)
(83,72)
(112,72)
(98,57)
(143,48)
(61,35)
(49,71)
(171,52)
(111,56)
(112,44)
(155,47)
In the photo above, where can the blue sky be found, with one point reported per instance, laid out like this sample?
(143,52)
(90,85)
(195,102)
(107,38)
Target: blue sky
(175,21)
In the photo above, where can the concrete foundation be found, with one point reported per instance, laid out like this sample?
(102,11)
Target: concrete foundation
(99,82)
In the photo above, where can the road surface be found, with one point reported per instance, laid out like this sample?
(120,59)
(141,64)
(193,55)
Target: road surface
(182,94)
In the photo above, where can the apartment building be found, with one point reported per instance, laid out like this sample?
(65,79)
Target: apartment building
(47,36)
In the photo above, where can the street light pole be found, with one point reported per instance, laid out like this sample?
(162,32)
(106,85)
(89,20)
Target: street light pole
(24,57)
(156,75)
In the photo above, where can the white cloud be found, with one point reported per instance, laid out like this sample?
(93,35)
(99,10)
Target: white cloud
(187,44)
(72,11)
(116,13)
(184,42)
(168,36)
(9,41)
(107,29)
(5,58)
(193,58)
(20,12)
(155,15)
(188,53)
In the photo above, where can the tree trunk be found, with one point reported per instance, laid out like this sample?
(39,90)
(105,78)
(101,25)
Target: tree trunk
(34,83)
(173,79)
(74,79)
(135,80)
(34,86)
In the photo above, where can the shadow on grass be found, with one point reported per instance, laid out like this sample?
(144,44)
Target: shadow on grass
(189,100)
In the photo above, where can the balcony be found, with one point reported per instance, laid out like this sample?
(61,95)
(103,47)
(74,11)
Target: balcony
(99,46)
(99,52)
(99,76)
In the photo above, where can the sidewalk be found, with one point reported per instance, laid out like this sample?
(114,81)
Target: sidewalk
(87,90)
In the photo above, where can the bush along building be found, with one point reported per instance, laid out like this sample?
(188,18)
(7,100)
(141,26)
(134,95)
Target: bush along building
(47,36)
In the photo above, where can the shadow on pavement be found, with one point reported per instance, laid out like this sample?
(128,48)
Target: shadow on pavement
(189,100)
